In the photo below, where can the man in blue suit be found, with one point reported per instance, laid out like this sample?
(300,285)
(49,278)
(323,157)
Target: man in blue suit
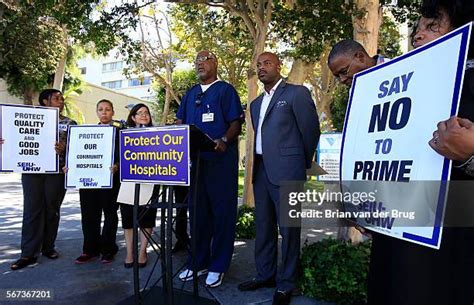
(286,135)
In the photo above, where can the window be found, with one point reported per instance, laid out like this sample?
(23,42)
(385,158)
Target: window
(133,82)
(139,81)
(112,66)
(112,85)
(83,70)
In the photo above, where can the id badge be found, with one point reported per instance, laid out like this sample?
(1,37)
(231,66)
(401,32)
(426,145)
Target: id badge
(208,117)
(62,127)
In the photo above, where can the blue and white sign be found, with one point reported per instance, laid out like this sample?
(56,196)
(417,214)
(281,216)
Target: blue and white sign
(329,155)
(29,134)
(90,156)
(392,112)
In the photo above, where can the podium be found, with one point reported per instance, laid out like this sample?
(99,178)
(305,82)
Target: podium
(167,294)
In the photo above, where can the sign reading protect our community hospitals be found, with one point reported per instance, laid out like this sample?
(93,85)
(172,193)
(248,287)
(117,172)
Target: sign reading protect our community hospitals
(392,112)
(157,155)
(89,156)
(30,134)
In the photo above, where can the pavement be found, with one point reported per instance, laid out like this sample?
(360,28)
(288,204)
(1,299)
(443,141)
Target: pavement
(96,283)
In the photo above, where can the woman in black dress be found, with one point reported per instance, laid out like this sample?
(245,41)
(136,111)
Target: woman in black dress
(406,273)
(95,202)
(139,116)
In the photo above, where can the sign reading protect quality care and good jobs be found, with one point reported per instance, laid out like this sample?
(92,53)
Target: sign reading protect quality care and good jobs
(329,155)
(30,134)
(158,155)
(393,110)
(89,156)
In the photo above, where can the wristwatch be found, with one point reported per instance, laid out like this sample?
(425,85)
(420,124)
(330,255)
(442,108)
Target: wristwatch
(224,139)
(468,166)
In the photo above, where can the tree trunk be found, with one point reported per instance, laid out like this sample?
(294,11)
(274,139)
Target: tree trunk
(61,69)
(366,32)
(166,108)
(299,72)
(28,96)
(252,86)
(323,88)
(59,74)
(366,25)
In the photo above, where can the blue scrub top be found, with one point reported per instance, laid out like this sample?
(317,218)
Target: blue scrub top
(222,100)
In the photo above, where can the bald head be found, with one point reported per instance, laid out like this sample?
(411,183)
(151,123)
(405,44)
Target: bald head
(347,58)
(206,66)
(271,56)
(268,69)
(345,47)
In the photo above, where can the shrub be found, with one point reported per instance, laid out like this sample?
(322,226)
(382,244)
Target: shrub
(245,222)
(335,271)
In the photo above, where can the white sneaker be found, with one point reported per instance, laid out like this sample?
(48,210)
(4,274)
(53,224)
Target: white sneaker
(187,275)
(214,279)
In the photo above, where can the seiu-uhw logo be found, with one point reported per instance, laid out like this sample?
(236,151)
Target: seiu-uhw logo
(28,167)
(88,182)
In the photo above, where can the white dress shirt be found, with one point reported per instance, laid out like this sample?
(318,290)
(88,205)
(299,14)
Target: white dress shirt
(267,97)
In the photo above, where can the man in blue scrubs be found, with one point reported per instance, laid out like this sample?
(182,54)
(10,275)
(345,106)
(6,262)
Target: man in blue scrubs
(214,107)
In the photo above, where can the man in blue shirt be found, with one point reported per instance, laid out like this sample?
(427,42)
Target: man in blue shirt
(214,107)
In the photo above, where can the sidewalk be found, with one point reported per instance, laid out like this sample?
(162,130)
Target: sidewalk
(95,283)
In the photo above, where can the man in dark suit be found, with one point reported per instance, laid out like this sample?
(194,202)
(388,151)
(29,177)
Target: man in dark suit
(286,135)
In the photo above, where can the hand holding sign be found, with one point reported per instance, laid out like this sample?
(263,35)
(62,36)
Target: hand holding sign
(454,139)
(59,147)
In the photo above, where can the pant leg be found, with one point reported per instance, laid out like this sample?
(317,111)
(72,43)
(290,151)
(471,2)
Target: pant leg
(222,187)
(290,241)
(32,229)
(266,242)
(108,237)
(54,195)
(181,223)
(91,214)
(203,221)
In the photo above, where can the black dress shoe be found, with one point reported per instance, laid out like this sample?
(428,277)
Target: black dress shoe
(179,247)
(52,254)
(256,284)
(23,262)
(281,297)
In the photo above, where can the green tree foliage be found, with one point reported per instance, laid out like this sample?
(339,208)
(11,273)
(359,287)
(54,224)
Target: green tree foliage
(389,38)
(182,81)
(27,55)
(310,25)
(198,27)
(404,10)
(339,106)
(33,34)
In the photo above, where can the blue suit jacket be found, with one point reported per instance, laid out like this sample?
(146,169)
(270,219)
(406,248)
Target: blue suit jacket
(290,132)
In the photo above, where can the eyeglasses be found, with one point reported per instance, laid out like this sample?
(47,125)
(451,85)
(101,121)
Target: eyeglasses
(198,99)
(345,72)
(144,113)
(201,59)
